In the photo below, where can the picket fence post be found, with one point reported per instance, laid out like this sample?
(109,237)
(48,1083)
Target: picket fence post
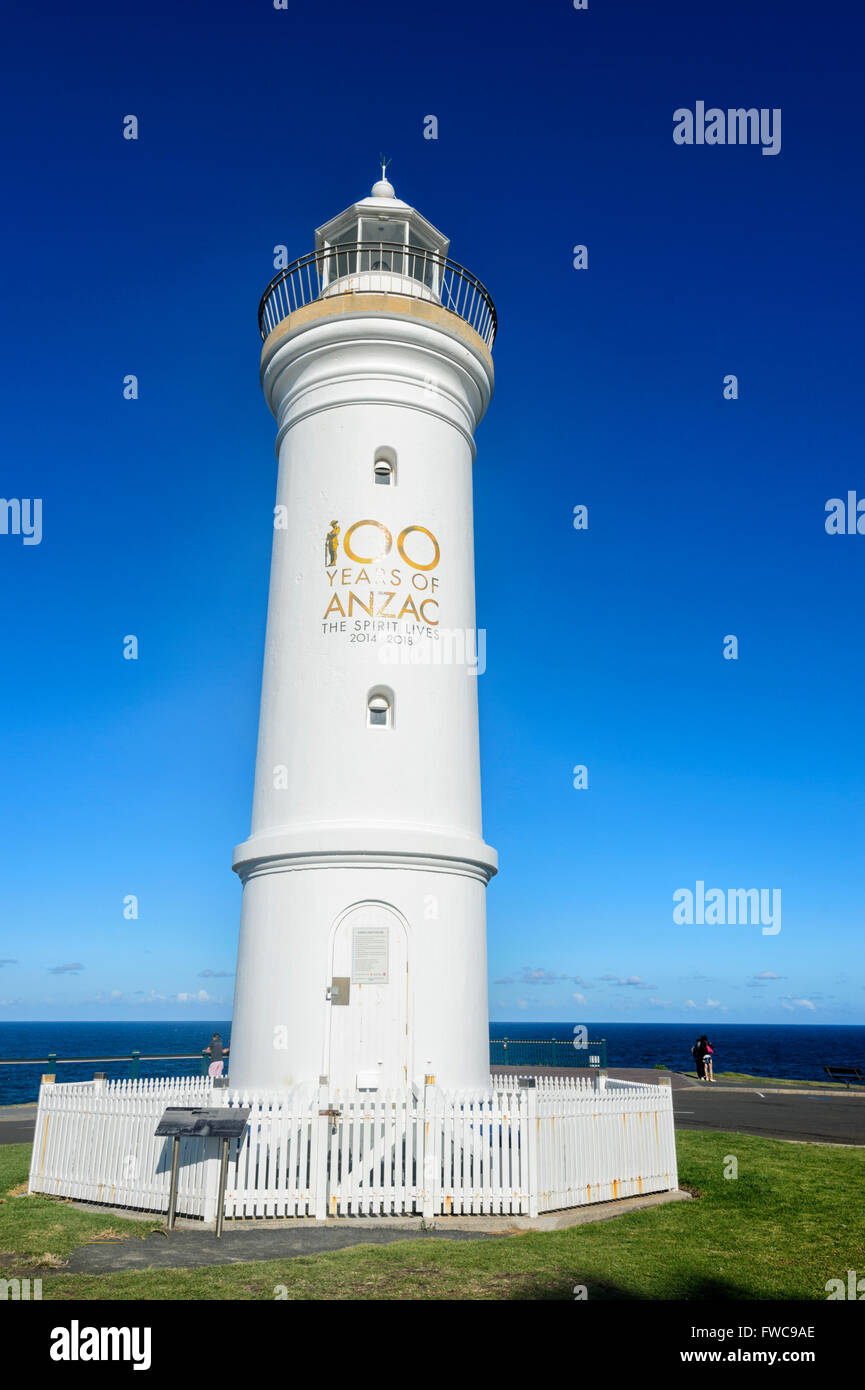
(320,1136)
(429,1121)
(532,1146)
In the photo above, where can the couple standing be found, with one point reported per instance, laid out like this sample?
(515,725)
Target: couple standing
(702,1053)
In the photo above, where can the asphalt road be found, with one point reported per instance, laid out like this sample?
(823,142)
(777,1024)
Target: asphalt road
(825,1119)
(16,1124)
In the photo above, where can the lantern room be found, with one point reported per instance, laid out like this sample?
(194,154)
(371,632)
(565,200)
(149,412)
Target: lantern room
(381,244)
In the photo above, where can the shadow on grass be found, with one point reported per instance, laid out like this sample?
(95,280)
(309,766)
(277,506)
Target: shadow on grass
(601,1291)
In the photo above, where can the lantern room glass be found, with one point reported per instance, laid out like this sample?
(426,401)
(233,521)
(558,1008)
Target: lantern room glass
(373,245)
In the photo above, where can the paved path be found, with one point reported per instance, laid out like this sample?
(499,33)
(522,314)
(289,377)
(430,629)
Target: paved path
(193,1245)
(186,1249)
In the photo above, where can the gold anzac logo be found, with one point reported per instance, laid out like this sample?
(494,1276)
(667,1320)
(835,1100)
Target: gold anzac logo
(368,547)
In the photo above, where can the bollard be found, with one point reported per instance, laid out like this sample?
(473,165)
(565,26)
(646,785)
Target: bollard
(136,1058)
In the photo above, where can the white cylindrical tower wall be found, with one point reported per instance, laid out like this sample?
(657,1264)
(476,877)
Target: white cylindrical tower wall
(368,839)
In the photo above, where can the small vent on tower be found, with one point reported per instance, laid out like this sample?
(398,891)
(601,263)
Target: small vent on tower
(379,709)
(384,468)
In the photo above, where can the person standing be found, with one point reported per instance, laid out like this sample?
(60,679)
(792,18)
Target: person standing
(698,1052)
(217,1054)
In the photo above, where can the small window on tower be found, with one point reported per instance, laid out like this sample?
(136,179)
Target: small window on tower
(379,708)
(384,467)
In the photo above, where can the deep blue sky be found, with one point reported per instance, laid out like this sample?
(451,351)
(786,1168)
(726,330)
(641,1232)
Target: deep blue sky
(706,517)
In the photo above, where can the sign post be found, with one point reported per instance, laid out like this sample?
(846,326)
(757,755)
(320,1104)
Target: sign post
(199,1122)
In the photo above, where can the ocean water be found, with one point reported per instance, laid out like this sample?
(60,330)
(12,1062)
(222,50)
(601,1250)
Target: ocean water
(791,1051)
(99,1040)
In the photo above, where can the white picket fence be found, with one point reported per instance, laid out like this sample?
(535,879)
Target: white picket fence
(95,1141)
(515,1149)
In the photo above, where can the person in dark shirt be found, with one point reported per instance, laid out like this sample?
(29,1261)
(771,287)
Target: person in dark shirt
(698,1052)
(217,1054)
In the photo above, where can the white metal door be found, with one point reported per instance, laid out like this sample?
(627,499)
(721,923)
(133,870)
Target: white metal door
(368,1043)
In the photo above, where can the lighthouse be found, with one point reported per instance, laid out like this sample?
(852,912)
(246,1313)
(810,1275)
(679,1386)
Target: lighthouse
(360,1080)
(362,950)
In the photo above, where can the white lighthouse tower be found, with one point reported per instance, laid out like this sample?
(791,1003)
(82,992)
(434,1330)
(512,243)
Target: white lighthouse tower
(359,1079)
(359,1051)
(362,954)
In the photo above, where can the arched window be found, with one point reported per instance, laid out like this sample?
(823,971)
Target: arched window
(379,709)
(384,467)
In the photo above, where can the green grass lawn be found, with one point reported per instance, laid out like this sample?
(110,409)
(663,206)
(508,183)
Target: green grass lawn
(790,1221)
(43,1231)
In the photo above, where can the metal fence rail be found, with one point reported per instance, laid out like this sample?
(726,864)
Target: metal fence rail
(133,1059)
(383,267)
(547,1052)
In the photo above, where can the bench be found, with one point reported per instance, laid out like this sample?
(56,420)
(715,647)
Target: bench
(846,1074)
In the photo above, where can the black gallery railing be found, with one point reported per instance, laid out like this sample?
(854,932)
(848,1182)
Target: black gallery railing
(378,267)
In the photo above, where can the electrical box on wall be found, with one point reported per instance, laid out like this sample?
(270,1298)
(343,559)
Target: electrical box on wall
(340,989)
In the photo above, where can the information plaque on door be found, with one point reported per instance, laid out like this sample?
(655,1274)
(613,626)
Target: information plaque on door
(369,955)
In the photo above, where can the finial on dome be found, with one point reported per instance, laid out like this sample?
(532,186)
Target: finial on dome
(383,188)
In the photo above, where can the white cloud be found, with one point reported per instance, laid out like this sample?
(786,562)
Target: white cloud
(580,998)
(788,1003)
(201,997)
(539,977)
